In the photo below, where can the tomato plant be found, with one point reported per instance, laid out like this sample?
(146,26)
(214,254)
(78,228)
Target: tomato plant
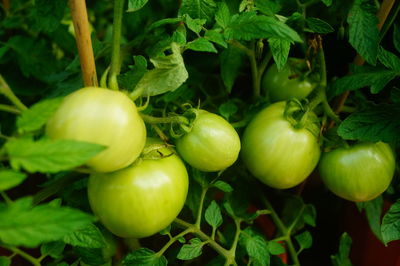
(271,143)
(104,117)
(273,84)
(287,83)
(142,199)
(360,172)
(212,144)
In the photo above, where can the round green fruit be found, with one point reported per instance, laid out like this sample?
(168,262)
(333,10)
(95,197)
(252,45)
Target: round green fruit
(286,84)
(277,153)
(142,199)
(360,172)
(104,117)
(211,145)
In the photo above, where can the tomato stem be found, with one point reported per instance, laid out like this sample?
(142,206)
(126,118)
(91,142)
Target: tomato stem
(10,109)
(286,232)
(23,254)
(201,204)
(116,49)
(173,240)
(217,247)
(320,97)
(5,197)
(7,92)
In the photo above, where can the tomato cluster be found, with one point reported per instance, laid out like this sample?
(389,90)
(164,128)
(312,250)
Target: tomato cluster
(139,196)
(139,185)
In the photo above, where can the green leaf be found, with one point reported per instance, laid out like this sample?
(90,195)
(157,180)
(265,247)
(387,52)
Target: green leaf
(225,187)
(135,5)
(255,245)
(319,26)
(179,35)
(203,9)
(24,225)
(342,257)
(230,63)
(373,210)
(310,215)
(304,240)
(168,74)
(191,251)
(327,2)
(201,45)
(163,22)
(37,115)
(216,37)
(223,15)
(144,257)
(275,248)
(10,179)
(280,51)
(49,156)
(213,215)
(33,56)
(130,79)
(391,224)
(47,14)
(90,256)
(388,59)
(269,8)
(376,123)
(396,37)
(53,249)
(5,261)
(376,78)
(227,109)
(363,30)
(249,26)
(87,237)
(195,25)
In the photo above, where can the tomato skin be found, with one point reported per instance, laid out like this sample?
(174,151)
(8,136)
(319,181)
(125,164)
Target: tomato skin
(142,199)
(284,85)
(275,152)
(360,172)
(105,117)
(211,145)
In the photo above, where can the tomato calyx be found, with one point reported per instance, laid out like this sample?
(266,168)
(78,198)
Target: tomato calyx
(180,129)
(299,115)
(156,151)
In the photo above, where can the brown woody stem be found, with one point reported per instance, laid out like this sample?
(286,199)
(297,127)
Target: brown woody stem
(84,42)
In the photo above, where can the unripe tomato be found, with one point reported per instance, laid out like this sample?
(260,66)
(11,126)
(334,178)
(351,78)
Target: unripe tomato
(360,172)
(142,199)
(286,84)
(276,152)
(211,145)
(104,117)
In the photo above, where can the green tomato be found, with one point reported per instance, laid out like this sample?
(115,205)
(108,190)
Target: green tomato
(211,145)
(275,152)
(104,117)
(360,172)
(286,84)
(142,199)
